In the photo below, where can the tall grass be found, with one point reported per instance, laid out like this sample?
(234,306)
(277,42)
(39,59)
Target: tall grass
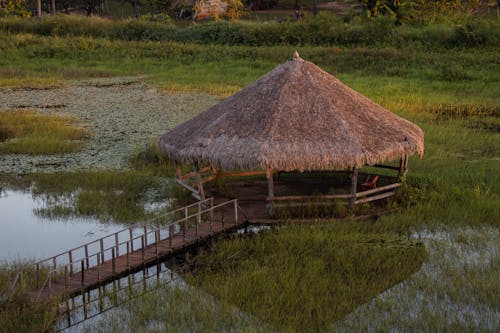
(325,29)
(34,133)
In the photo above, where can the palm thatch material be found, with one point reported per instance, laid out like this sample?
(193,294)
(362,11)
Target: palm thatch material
(296,117)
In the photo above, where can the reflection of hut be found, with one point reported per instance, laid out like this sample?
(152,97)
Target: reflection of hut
(295,118)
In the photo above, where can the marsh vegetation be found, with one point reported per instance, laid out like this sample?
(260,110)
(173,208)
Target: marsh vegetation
(443,76)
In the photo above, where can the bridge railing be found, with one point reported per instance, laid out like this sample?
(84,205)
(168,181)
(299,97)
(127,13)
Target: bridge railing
(74,264)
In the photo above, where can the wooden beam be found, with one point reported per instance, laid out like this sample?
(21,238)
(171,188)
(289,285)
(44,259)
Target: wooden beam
(201,191)
(189,188)
(381,166)
(270,190)
(310,197)
(376,197)
(242,174)
(378,189)
(178,170)
(354,185)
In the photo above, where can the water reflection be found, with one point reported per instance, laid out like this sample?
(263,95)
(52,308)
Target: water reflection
(26,235)
(83,311)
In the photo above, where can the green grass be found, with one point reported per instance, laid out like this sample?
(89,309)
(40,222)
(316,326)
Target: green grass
(34,133)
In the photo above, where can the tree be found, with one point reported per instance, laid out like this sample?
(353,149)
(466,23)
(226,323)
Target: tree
(13,8)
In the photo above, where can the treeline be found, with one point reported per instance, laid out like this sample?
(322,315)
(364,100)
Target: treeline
(322,30)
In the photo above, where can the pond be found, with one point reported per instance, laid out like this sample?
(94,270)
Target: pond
(26,235)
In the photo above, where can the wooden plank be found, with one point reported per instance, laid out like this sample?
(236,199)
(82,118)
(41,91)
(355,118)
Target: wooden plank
(189,188)
(375,197)
(378,189)
(310,197)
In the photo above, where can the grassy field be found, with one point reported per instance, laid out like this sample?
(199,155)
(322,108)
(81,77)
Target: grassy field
(451,204)
(29,132)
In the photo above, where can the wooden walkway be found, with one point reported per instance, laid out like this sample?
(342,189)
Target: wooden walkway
(85,268)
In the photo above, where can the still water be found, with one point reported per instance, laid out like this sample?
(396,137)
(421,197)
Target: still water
(25,235)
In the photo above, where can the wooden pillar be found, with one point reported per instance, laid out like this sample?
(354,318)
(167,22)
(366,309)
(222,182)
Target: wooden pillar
(270,191)
(354,185)
(403,168)
(201,191)
(178,170)
(39,8)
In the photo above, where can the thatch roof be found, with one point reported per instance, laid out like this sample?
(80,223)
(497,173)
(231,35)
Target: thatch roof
(296,117)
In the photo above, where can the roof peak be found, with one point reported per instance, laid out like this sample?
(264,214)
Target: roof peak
(296,56)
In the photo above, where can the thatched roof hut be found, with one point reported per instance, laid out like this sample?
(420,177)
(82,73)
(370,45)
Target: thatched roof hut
(296,117)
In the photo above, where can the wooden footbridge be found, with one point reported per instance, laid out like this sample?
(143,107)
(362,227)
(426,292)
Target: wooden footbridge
(132,249)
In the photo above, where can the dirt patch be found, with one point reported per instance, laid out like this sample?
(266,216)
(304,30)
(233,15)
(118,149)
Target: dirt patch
(123,115)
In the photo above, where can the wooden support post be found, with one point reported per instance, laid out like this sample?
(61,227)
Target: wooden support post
(179,171)
(145,236)
(354,185)
(235,212)
(211,214)
(270,191)
(54,264)
(201,191)
(403,168)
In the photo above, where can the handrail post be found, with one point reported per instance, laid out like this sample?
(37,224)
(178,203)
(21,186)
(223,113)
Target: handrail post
(145,236)
(102,249)
(170,235)
(98,268)
(157,239)
(113,260)
(65,279)
(83,272)
(54,262)
(37,275)
(87,255)
(222,217)
(117,244)
(142,249)
(128,259)
(70,256)
(131,239)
